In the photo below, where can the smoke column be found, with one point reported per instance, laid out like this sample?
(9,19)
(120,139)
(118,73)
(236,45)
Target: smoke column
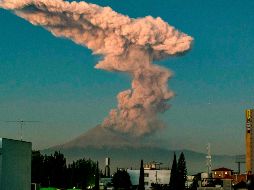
(127,45)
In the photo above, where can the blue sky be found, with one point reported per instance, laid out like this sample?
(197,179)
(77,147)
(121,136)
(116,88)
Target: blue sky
(53,81)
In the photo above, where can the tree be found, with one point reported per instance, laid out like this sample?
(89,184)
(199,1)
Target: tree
(174,175)
(58,170)
(96,186)
(121,180)
(37,167)
(49,170)
(141,185)
(52,171)
(194,184)
(182,172)
(81,173)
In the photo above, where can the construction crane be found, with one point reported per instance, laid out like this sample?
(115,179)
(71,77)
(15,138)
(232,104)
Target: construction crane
(21,122)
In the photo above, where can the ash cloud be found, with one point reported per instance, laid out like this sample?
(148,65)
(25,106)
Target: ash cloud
(127,45)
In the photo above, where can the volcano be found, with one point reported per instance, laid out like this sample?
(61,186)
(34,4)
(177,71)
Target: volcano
(97,137)
(126,152)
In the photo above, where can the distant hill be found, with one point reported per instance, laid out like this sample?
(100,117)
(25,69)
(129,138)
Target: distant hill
(126,152)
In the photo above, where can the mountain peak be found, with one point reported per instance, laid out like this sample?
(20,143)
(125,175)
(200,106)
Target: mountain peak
(99,137)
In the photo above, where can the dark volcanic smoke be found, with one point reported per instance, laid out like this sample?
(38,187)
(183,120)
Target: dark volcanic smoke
(127,45)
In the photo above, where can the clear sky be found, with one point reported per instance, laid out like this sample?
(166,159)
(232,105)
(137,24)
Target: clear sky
(53,80)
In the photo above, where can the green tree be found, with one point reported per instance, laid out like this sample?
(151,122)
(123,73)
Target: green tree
(59,170)
(173,183)
(97,173)
(81,173)
(141,185)
(49,170)
(54,169)
(37,167)
(182,172)
(121,180)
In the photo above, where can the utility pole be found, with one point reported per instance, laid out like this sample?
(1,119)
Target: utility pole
(22,122)
(239,160)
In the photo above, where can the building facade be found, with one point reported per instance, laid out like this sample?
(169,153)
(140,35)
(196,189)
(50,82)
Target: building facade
(15,164)
(153,174)
(249,141)
(0,162)
(222,173)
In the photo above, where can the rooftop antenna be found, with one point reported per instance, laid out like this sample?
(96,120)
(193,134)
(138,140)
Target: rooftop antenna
(209,159)
(239,160)
(22,122)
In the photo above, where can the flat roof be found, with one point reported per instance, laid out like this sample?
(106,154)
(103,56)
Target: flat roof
(15,140)
(222,169)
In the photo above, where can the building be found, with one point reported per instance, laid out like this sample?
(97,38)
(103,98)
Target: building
(15,164)
(106,183)
(249,141)
(221,179)
(153,174)
(222,173)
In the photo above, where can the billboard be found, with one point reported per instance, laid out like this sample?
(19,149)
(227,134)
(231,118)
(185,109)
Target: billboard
(248,120)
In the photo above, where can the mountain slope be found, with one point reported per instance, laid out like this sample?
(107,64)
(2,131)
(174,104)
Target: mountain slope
(126,152)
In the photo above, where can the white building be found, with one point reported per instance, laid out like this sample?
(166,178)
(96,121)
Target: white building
(152,174)
(15,164)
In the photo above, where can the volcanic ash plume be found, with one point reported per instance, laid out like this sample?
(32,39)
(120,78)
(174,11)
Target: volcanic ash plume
(127,45)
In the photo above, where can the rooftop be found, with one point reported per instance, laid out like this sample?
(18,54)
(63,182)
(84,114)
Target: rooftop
(222,169)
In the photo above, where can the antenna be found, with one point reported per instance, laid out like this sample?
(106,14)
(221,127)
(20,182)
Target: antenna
(209,159)
(239,160)
(21,122)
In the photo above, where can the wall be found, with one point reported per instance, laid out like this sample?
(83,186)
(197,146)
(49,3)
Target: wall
(16,165)
(151,176)
(157,176)
(222,174)
(0,161)
(134,176)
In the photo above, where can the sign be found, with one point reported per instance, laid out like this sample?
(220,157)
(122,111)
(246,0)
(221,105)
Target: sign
(248,114)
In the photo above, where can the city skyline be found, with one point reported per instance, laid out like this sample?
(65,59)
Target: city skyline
(52,80)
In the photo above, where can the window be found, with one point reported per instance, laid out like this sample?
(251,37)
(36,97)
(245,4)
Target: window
(146,183)
(146,174)
(226,173)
